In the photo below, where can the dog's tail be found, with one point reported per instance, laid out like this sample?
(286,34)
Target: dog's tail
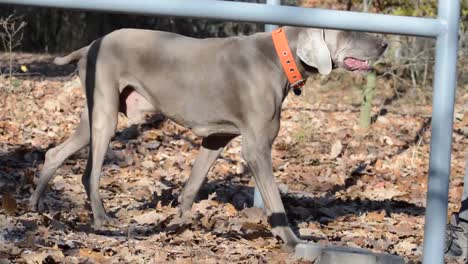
(90,85)
(74,56)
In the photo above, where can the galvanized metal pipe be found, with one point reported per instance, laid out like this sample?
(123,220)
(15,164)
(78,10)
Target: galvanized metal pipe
(441,134)
(252,12)
(270,27)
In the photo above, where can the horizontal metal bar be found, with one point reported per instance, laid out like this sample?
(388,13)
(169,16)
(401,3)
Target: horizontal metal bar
(253,12)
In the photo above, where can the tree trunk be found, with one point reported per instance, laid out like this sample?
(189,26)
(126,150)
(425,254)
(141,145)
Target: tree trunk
(366,106)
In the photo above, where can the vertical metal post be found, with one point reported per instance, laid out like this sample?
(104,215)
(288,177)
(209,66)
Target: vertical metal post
(441,139)
(268,27)
(258,202)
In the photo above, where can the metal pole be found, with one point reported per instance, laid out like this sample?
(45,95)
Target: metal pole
(269,27)
(441,139)
(253,12)
(258,202)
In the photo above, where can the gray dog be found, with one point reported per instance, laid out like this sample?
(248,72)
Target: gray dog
(220,88)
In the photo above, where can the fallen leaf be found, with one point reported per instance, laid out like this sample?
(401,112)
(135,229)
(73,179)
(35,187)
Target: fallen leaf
(336,149)
(376,216)
(40,257)
(405,247)
(151,217)
(9,203)
(230,210)
(148,164)
(254,214)
(97,256)
(34,257)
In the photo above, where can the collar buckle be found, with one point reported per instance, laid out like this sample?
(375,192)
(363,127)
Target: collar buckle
(298,85)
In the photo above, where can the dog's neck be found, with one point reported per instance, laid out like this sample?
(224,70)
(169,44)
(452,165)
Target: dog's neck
(292,35)
(271,58)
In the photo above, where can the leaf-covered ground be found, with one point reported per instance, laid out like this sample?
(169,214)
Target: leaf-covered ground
(341,185)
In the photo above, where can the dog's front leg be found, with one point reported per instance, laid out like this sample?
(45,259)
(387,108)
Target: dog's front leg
(256,150)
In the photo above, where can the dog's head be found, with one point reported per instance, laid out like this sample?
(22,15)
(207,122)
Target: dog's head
(326,49)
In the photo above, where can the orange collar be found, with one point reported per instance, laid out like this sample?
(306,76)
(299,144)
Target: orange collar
(287,60)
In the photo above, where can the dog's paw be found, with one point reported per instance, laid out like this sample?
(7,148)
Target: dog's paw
(36,204)
(105,222)
(183,218)
(33,206)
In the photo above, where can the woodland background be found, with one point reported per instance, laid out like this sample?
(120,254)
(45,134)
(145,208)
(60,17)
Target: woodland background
(343,182)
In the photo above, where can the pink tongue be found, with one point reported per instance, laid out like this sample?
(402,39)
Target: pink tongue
(356,64)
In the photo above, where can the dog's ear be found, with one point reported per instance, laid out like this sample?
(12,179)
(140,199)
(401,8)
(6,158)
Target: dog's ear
(312,49)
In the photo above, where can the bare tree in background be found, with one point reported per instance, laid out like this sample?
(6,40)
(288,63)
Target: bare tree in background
(11,35)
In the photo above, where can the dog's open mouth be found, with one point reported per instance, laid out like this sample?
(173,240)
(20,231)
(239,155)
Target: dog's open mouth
(353,64)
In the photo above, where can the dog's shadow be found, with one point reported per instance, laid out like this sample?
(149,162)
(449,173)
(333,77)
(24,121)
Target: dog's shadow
(299,209)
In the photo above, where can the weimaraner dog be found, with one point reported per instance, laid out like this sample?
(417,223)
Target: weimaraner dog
(220,88)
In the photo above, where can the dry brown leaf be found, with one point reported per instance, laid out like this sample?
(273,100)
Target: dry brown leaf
(378,164)
(387,140)
(148,164)
(336,149)
(9,203)
(96,256)
(151,217)
(382,193)
(252,226)
(39,257)
(52,105)
(405,247)
(376,216)
(230,210)
(402,229)
(34,257)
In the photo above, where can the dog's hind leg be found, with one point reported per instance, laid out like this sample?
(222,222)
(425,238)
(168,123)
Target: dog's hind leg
(56,156)
(209,152)
(103,126)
